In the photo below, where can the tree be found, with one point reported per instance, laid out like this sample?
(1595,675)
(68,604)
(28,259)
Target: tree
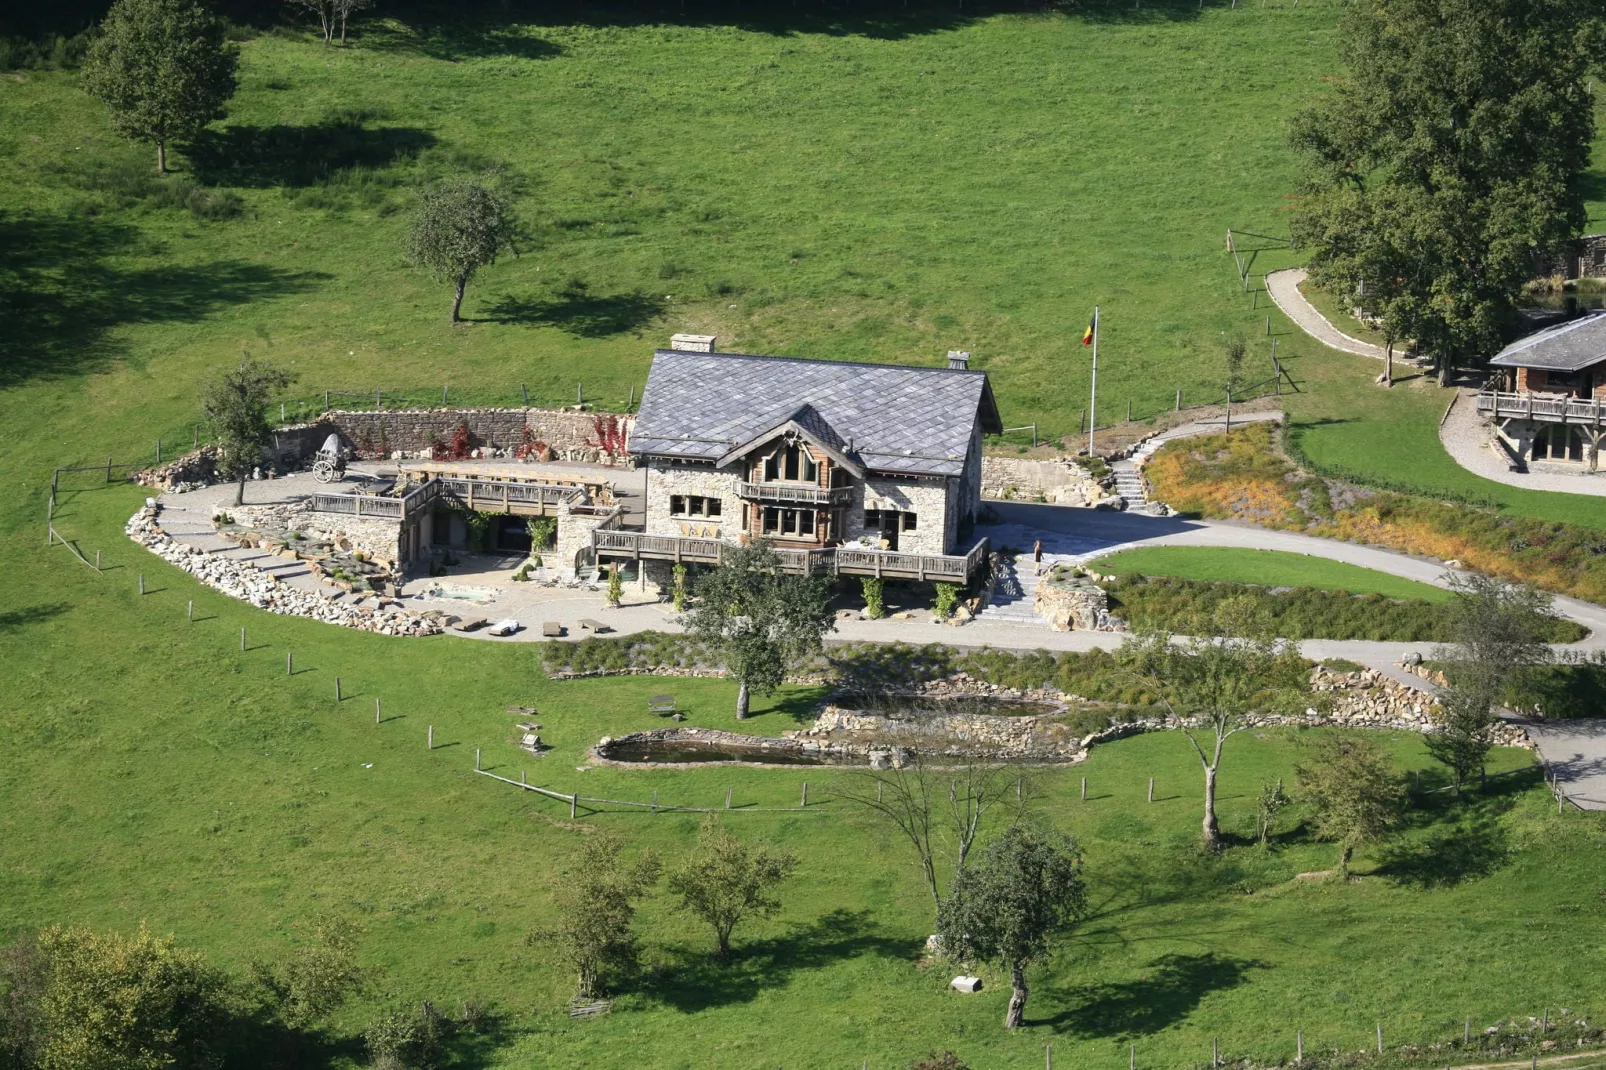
(163,68)
(724,882)
(1234,350)
(76,999)
(460,227)
(1271,802)
(1006,909)
(1500,631)
(1351,784)
(761,620)
(408,1039)
(331,13)
(235,404)
(1211,681)
(319,977)
(596,906)
(1450,156)
(939,811)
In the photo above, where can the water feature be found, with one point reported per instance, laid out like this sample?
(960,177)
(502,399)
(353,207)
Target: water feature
(460,592)
(659,751)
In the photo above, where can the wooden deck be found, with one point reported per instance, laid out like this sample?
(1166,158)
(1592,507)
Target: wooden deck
(1545,408)
(839,560)
(477,495)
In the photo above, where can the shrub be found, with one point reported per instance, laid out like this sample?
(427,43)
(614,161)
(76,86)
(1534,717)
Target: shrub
(947,598)
(875,589)
(543,531)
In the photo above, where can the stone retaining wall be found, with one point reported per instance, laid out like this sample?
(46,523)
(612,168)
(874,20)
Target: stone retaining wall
(1059,482)
(569,435)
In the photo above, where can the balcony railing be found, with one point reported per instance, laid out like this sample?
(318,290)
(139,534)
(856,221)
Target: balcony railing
(805,493)
(855,561)
(1547,408)
(480,495)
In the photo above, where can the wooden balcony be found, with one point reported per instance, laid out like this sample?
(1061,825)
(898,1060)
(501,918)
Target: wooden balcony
(795,493)
(834,560)
(476,495)
(1545,408)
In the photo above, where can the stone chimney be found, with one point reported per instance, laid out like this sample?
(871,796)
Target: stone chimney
(958,360)
(693,343)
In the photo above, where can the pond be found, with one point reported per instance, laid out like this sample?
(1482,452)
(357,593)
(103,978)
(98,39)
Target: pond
(686,750)
(917,706)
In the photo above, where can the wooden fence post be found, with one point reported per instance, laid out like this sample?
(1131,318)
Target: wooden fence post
(476,759)
(524,392)
(1179,401)
(377,708)
(805,804)
(1380,1038)
(573,799)
(289,663)
(1084,789)
(1299,1045)
(142,583)
(429,743)
(337,689)
(189,614)
(242,640)
(727,798)
(1151,789)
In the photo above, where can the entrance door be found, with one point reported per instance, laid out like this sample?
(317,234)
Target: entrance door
(890,523)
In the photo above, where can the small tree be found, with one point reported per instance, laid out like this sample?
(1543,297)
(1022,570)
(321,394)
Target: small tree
(1357,798)
(875,589)
(1271,802)
(940,812)
(1500,632)
(235,404)
(319,976)
(461,227)
(164,69)
(724,882)
(1027,888)
(325,11)
(1232,381)
(344,9)
(616,585)
(678,573)
(1231,667)
(596,905)
(760,619)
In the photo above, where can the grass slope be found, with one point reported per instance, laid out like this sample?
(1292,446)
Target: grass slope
(1268,568)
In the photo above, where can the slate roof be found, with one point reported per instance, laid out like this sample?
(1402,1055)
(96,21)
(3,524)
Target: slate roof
(1567,347)
(888,417)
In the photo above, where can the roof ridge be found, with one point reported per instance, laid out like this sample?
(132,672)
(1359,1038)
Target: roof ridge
(822,360)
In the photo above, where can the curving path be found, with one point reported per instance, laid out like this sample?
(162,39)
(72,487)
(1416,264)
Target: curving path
(1283,286)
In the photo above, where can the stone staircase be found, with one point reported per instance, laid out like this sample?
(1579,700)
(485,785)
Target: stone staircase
(1129,484)
(1015,594)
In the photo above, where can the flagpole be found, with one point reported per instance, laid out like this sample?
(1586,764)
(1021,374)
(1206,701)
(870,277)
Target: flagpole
(1093,403)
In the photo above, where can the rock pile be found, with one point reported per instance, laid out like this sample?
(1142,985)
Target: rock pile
(266,592)
(1035,739)
(192,471)
(1072,601)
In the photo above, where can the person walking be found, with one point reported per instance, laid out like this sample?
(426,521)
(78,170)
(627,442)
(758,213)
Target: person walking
(1037,555)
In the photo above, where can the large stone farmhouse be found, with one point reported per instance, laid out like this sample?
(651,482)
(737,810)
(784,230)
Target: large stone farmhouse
(1545,401)
(863,469)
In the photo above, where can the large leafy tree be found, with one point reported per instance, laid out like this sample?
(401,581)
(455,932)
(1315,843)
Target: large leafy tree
(724,882)
(1209,683)
(1007,908)
(461,226)
(761,619)
(596,909)
(1448,158)
(235,404)
(164,69)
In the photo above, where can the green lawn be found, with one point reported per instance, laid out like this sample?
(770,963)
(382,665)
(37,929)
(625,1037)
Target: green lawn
(883,191)
(155,773)
(1269,568)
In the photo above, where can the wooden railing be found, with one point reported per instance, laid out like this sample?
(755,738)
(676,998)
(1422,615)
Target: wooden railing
(950,568)
(1550,408)
(807,493)
(482,495)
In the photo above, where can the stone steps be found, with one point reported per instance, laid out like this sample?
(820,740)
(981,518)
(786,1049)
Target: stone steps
(1015,596)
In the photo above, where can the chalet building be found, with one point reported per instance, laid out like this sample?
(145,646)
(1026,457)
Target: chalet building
(859,469)
(1545,401)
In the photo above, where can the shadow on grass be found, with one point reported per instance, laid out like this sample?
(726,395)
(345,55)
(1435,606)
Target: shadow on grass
(63,286)
(697,981)
(579,312)
(1477,846)
(1170,989)
(16,619)
(283,155)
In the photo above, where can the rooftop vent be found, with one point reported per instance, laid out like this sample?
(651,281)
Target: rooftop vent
(693,343)
(958,360)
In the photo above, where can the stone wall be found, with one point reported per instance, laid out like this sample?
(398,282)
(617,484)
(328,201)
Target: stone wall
(571,436)
(1075,604)
(572,550)
(1060,482)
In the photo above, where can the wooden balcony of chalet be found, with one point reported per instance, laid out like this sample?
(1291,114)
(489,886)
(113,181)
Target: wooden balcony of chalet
(828,561)
(794,493)
(476,495)
(1542,407)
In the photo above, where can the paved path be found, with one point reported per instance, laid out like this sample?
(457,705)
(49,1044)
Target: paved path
(1575,751)
(1469,440)
(1283,286)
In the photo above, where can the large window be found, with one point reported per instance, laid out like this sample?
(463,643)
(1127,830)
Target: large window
(789,523)
(694,505)
(889,520)
(792,464)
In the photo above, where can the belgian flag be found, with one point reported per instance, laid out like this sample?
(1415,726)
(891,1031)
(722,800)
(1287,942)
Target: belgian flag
(1087,335)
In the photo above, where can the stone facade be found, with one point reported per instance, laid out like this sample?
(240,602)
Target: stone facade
(936,525)
(667,479)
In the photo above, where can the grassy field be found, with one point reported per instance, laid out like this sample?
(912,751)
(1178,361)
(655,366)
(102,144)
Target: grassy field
(1270,568)
(860,190)
(156,773)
